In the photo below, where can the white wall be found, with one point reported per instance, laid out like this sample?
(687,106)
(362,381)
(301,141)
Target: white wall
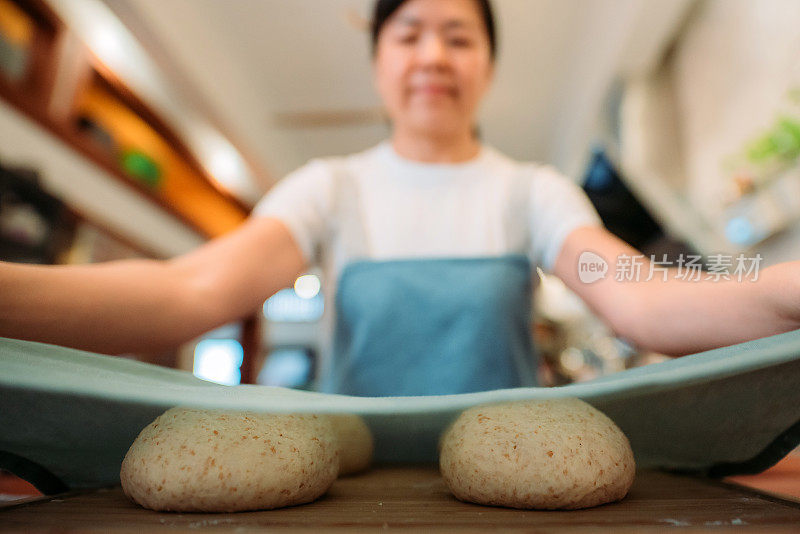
(724,84)
(731,72)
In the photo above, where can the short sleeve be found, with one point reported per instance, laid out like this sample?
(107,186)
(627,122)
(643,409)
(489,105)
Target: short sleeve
(302,201)
(558,206)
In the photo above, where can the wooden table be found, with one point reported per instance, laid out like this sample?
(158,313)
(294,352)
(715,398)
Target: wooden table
(415,498)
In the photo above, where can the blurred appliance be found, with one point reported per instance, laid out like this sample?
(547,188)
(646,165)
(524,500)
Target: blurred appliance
(35,226)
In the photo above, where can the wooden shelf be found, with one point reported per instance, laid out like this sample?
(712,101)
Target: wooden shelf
(115,127)
(111,126)
(29,29)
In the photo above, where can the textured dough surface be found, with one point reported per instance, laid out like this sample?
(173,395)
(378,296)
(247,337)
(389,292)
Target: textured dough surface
(224,461)
(355,443)
(555,454)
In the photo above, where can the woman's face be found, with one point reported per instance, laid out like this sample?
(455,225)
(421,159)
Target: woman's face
(433,65)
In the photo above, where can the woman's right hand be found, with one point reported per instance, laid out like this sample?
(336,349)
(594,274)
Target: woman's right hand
(148,305)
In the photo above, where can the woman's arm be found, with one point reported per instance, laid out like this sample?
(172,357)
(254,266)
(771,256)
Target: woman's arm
(145,305)
(680,316)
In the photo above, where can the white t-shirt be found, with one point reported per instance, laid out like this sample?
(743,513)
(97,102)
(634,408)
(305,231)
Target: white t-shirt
(427,210)
(489,206)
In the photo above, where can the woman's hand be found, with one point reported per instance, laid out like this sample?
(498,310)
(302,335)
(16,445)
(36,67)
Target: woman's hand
(147,305)
(679,316)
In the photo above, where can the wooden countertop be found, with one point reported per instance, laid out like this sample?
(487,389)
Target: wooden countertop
(415,498)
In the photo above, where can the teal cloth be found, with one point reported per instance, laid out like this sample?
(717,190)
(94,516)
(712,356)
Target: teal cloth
(74,414)
(432,327)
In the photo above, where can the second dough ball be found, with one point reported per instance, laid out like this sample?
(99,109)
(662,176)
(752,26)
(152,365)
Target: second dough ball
(556,454)
(215,461)
(355,443)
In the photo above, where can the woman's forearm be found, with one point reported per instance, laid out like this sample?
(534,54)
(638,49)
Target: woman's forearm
(144,305)
(116,307)
(682,317)
(679,315)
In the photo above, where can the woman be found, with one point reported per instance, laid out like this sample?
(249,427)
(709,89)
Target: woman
(426,241)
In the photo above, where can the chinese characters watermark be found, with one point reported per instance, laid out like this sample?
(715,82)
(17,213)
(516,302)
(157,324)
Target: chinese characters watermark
(687,267)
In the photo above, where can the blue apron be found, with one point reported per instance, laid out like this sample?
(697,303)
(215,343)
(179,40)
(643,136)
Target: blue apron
(427,326)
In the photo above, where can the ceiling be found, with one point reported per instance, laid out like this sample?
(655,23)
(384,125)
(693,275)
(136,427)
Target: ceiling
(240,63)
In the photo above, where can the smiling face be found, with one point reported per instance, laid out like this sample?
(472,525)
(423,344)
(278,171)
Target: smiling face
(433,65)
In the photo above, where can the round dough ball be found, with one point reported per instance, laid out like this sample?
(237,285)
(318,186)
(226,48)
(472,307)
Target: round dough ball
(555,454)
(355,443)
(192,460)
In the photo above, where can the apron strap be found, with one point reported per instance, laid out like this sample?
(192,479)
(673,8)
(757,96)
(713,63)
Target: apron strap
(517,216)
(350,230)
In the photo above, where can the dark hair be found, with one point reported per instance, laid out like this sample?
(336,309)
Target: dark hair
(385,8)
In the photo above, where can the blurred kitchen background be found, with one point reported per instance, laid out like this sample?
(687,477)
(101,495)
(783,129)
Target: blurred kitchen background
(142,128)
